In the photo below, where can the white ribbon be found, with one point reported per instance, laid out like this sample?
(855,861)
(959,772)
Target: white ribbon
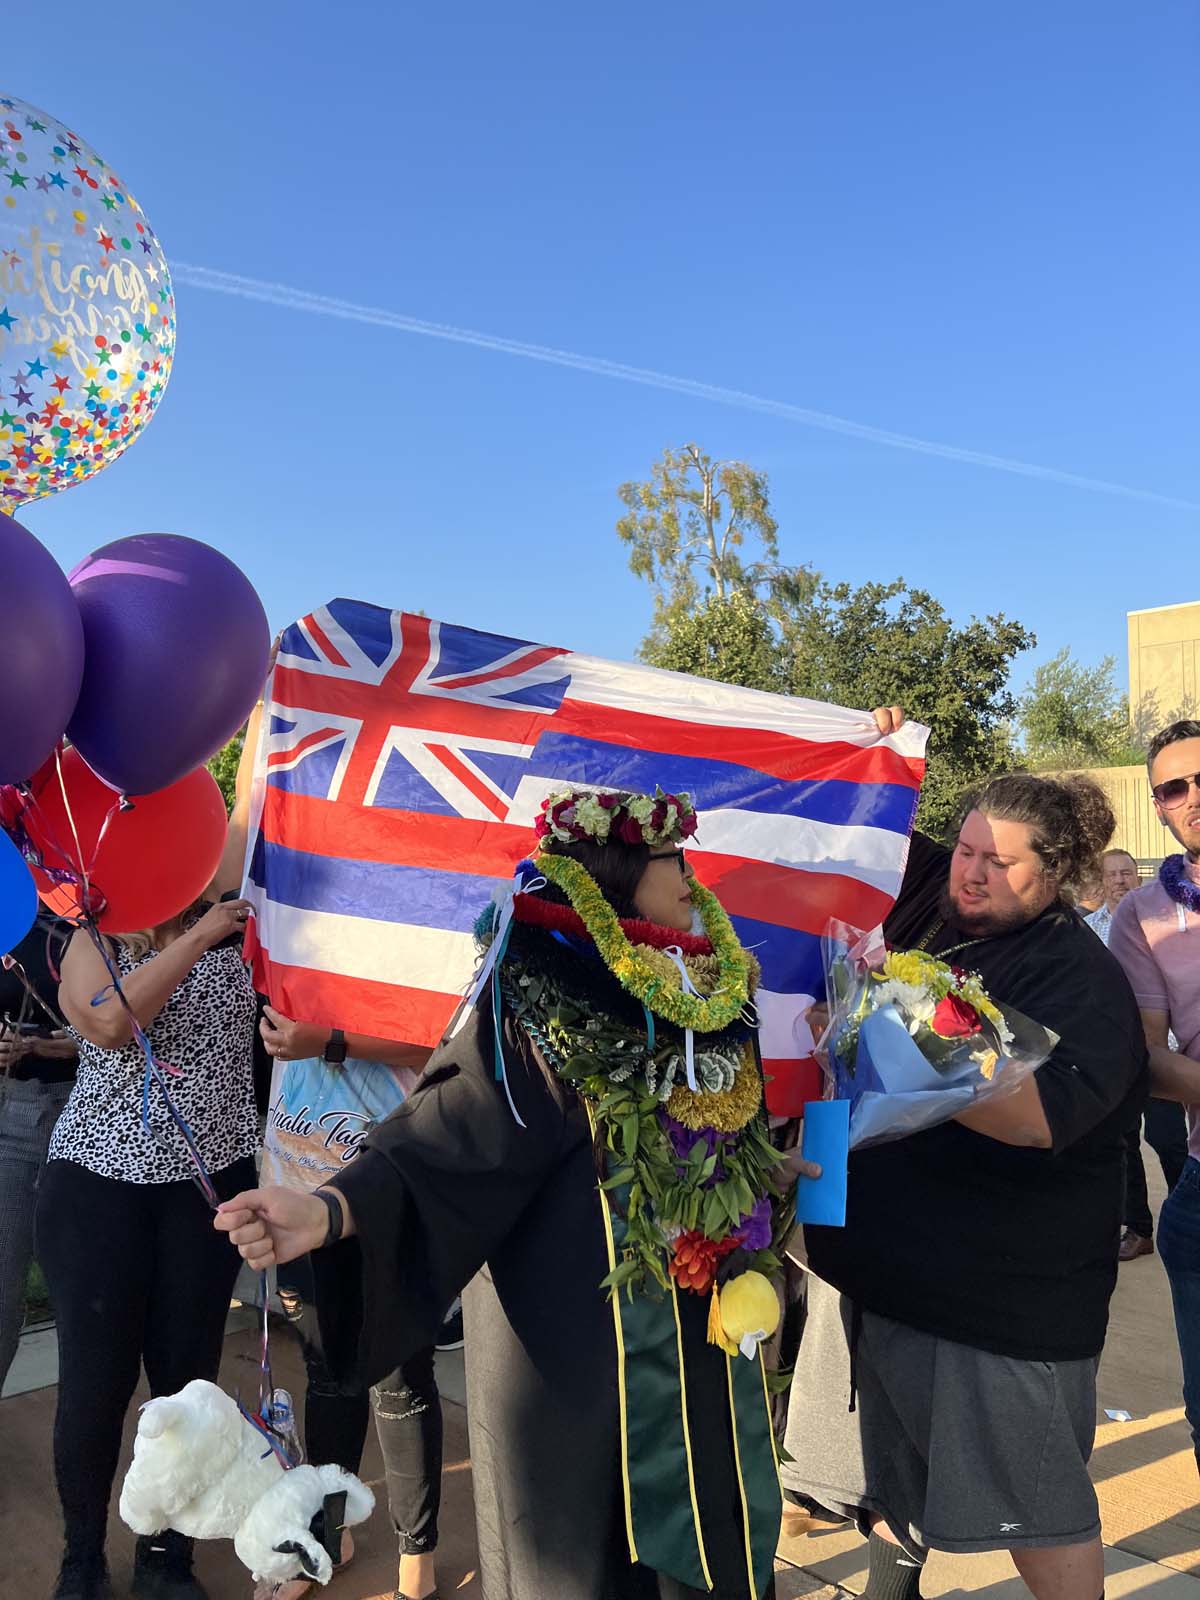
(504,901)
(688,988)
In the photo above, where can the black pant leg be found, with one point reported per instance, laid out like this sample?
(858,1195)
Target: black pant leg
(408,1419)
(1166,1134)
(95,1244)
(335,1420)
(195,1269)
(1137,1199)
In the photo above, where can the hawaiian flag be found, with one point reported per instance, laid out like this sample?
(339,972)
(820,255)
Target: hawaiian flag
(402,762)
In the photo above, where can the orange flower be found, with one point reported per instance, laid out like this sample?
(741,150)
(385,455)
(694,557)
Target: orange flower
(694,1264)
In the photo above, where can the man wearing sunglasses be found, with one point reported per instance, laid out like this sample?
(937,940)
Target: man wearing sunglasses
(1166,1130)
(1156,938)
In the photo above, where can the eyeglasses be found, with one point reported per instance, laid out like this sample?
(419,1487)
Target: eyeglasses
(1174,791)
(677,856)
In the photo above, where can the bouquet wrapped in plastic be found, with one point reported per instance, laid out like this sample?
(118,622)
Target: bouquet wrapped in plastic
(912,1041)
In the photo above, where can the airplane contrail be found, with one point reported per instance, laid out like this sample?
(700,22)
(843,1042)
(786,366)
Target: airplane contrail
(290,298)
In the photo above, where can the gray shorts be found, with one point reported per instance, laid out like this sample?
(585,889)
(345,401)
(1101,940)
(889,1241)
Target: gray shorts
(954,1448)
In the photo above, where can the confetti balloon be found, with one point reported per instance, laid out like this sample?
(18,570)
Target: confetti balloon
(87,317)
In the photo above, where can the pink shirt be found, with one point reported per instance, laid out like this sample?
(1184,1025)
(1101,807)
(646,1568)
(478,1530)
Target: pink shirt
(1157,942)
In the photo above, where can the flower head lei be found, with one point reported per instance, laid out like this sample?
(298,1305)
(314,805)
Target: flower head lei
(569,815)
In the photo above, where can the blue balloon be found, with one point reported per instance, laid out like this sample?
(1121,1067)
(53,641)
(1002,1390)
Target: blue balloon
(18,896)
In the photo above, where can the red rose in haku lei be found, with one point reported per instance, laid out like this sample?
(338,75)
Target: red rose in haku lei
(694,1264)
(630,830)
(955,1019)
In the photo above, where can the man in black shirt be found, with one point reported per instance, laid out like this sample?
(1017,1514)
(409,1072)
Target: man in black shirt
(945,1390)
(37,1067)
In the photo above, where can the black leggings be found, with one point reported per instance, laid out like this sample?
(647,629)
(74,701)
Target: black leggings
(408,1420)
(138,1275)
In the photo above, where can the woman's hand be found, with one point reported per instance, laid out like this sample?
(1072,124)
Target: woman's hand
(273,1226)
(889,719)
(220,922)
(56,1046)
(291,1041)
(12,1050)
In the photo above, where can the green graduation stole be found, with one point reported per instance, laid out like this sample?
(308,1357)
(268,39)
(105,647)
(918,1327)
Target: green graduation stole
(662,1523)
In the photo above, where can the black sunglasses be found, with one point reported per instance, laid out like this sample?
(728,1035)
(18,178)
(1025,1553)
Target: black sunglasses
(1174,791)
(674,855)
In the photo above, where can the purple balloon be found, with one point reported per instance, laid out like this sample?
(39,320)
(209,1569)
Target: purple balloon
(176,655)
(41,652)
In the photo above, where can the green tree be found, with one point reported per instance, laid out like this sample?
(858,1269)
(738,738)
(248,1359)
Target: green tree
(728,608)
(1075,716)
(730,639)
(887,644)
(687,528)
(224,766)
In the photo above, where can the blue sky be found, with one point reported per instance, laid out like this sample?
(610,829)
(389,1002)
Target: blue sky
(973,225)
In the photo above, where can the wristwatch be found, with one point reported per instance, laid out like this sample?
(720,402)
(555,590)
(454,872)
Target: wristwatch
(335,1050)
(333,1206)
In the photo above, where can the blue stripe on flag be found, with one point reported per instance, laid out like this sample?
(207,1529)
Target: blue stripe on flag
(562,759)
(790,961)
(377,891)
(452,901)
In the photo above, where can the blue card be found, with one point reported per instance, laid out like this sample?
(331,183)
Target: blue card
(826,1140)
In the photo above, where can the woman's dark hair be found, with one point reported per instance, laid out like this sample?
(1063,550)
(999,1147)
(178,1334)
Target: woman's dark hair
(617,868)
(1069,819)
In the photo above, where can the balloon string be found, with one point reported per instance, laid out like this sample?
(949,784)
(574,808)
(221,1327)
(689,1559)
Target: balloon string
(11,964)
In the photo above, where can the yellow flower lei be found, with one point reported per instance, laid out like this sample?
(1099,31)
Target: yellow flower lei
(635,973)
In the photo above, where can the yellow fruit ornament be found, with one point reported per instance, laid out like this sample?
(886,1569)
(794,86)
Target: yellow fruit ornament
(743,1314)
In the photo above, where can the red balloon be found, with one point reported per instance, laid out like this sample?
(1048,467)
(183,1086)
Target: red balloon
(153,861)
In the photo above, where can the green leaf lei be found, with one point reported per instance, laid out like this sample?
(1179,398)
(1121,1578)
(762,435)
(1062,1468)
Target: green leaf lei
(606,1062)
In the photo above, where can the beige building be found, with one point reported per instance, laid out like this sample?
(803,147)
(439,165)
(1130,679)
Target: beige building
(1164,664)
(1164,683)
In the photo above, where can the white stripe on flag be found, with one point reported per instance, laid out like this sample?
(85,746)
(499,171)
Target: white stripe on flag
(399,953)
(777,1017)
(626,687)
(874,856)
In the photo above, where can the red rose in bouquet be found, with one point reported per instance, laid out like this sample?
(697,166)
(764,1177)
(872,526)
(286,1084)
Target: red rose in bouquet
(955,1019)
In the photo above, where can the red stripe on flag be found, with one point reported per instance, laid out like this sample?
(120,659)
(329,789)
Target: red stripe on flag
(321,640)
(790,1085)
(787,898)
(469,781)
(356,1005)
(523,663)
(411,838)
(778,755)
(290,758)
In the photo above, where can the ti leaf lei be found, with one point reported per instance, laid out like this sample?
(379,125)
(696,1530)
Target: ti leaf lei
(710,1180)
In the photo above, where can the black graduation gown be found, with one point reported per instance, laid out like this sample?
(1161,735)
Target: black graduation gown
(450,1192)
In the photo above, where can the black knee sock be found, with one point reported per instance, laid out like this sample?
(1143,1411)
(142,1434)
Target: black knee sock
(893,1575)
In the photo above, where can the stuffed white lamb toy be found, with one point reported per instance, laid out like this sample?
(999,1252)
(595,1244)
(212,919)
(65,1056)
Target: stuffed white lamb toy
(201,1468)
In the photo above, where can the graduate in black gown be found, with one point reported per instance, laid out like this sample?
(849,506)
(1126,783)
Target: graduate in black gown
(586,1158)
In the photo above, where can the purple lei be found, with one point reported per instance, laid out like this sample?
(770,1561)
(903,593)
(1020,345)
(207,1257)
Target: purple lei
(754,1232)
(1174,879)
